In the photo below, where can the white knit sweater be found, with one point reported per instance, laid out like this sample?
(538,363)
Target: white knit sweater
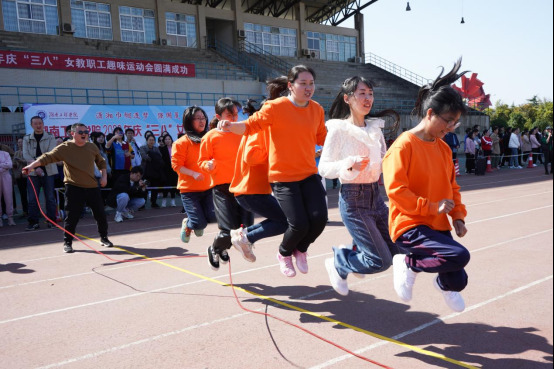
(345,142)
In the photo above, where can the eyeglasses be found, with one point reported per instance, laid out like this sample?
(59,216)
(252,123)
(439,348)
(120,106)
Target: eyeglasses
(451,122)
(82,132)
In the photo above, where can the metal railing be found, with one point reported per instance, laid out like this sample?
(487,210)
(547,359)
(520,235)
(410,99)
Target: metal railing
(395,69)
(243,60)
(400,106)
(19,95)
(266,57)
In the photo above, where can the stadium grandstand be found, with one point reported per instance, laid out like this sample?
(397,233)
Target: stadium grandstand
(179,53)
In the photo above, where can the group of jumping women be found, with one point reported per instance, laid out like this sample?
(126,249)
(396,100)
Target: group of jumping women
(266,165)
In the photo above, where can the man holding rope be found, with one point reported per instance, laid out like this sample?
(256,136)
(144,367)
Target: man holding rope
(81,186)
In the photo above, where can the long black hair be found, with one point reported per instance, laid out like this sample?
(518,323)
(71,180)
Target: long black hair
(341,110)
(188,117)
(439,94)
(278,87)
(94,136)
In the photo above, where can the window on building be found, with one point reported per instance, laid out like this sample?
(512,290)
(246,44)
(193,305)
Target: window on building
(180,29)
(31,16)
(91,20)
(137,25)
(278,41)
(332,47)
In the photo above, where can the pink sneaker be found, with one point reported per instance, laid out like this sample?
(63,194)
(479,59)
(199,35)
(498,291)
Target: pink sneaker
(285,264)
(301,261)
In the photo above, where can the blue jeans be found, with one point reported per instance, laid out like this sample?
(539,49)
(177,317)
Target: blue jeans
(199,207)
(514,162)
(267,207)
(125,202)
(434,251)
(365,216)
(47,184)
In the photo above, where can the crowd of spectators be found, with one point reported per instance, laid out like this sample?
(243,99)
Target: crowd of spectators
(124,157)
(506,147)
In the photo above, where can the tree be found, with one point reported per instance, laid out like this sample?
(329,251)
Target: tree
(535,113)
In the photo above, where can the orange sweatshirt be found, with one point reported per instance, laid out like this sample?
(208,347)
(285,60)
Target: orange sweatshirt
(251,167)
(222,147)
(293,134)
(185,154)
(417,175)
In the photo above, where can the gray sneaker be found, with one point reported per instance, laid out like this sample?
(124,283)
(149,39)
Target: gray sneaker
(67,247)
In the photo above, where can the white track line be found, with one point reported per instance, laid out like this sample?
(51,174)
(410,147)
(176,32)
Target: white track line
(509,215)
(434,322)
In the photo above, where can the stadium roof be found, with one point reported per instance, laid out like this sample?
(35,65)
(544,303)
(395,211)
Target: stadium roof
(332,12)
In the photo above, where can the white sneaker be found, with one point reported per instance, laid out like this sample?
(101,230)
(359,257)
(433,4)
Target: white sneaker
(118,218)
(164,203)
(340,285)
(173,204)
(453,299)
(519,167)
(404,277)
(241,243)
(127,214)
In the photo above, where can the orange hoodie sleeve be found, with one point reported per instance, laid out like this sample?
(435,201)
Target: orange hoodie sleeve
(179,155)
(255,150)
(260,120)
(321,130)
(206,152)
(395,173)
(459,212)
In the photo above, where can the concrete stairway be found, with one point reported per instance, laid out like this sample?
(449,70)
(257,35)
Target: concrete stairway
(391,92)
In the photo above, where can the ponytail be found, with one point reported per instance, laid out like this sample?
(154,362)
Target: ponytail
(439,94)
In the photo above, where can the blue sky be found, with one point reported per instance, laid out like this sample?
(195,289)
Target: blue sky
(508,43)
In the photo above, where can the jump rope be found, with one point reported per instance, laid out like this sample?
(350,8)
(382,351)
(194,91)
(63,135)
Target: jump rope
(230,280)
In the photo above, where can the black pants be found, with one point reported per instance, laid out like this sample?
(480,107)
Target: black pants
(75,200)
(470,163)
(547,160)
(230,215)
(22,186)
(304,205)
(537,156)
(154,182)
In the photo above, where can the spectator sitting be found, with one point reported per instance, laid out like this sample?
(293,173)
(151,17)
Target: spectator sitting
(127,194)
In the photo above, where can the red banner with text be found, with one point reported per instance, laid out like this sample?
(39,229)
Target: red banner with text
(76,63)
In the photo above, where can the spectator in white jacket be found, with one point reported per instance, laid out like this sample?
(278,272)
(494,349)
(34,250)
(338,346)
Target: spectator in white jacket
(514,146)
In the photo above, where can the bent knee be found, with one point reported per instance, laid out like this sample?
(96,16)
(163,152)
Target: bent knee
(462,257)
